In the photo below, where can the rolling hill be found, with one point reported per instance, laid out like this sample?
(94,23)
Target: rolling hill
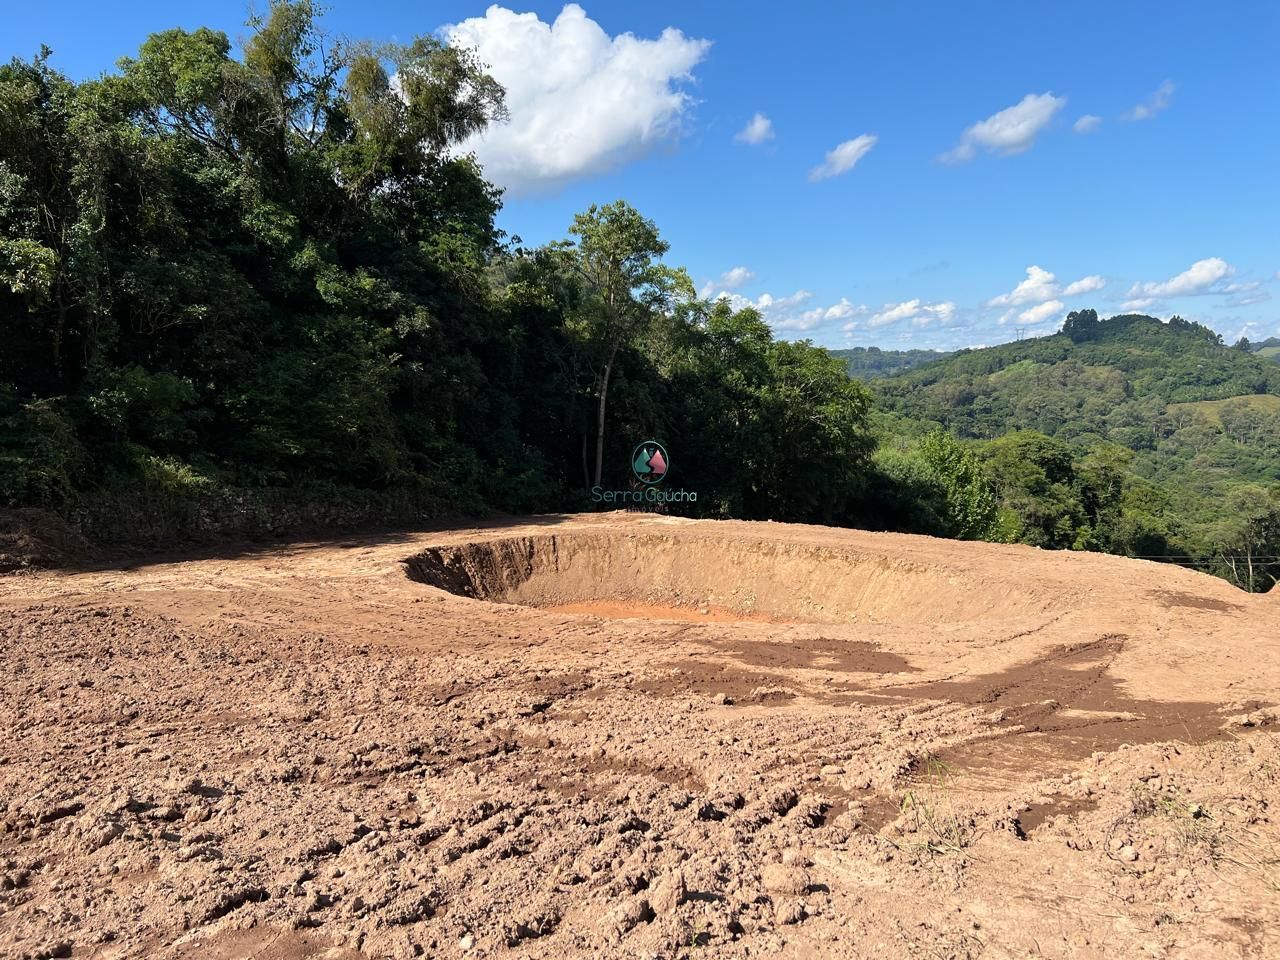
(1128,434)
(1113,380)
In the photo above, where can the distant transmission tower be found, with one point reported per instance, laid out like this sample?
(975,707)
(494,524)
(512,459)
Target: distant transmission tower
(1020,331)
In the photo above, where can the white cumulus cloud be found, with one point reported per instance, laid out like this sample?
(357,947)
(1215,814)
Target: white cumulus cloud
(783,315)
(1154,104)
(1084,285)
(1038,286)
(1012,130)
(1197,278)
(581,102)
(769,302)
(843,157)
(843,310)
(731,279)
(1041,312)
(1087,124)
(920,314)
(758,129)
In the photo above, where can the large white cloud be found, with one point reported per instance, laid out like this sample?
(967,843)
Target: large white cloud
(731,279)
(843,157)
(581,102)
(758,129)
(1012,130)
(1039,285)
(1197,278)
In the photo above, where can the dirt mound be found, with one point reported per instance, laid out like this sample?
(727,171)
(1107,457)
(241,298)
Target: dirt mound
(618,736)
(32,538)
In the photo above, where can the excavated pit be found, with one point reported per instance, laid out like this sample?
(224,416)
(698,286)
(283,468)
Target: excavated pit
(658,576)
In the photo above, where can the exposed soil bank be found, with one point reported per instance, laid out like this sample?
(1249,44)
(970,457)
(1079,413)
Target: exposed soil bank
(806,581)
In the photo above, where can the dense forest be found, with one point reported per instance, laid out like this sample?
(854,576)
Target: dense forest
(235,288)
(242,290)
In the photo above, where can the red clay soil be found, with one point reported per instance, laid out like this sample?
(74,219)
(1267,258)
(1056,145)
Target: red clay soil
(630,736)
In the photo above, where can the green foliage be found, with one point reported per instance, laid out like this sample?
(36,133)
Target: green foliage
(1082,326)
(625,288)
(1248,541)
(226,277)
(1034,477)
(970,508)
(1126,434)
(40,456)
(26,267)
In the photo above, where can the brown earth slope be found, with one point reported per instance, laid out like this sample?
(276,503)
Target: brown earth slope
(620,736)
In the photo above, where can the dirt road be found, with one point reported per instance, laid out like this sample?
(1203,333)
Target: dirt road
(621,736)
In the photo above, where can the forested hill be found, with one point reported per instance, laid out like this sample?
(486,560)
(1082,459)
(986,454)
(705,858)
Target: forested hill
(1127,435)
(1109,378)
(863,363)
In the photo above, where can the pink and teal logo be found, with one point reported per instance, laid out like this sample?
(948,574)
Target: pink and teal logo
(649,462)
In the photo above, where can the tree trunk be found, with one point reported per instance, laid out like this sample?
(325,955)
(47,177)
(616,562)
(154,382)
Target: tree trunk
(604,396)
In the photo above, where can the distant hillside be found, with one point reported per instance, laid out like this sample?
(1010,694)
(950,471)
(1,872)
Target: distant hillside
(1106,378)
(866,363)
(1128,435)
(1269,348)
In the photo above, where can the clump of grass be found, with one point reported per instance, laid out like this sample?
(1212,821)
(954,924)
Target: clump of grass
(931,816)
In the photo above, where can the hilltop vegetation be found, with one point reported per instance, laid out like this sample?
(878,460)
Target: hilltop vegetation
(1127,435)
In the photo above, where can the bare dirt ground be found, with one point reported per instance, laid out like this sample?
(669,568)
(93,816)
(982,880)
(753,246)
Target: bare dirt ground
(622,736)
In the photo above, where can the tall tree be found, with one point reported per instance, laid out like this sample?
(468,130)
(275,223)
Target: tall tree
(617,255)
(1250,540)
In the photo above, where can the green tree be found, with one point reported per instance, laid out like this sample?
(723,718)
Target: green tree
(970,507)
(1081,325)
(1249,542)
(1034,476)
(617,254)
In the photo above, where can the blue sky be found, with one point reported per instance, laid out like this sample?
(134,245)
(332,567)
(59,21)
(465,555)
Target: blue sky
(959,202)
